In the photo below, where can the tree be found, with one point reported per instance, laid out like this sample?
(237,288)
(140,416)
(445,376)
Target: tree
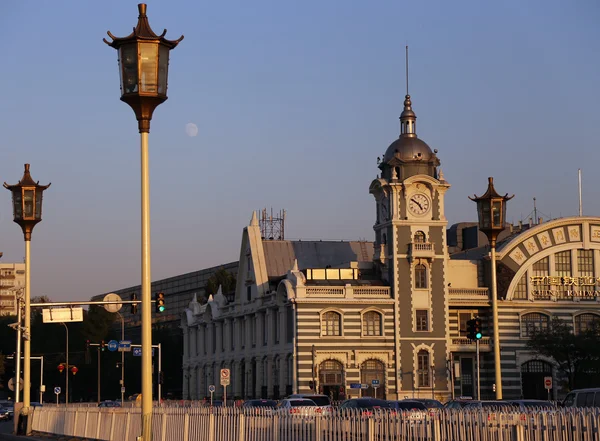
(577,356)
(223,278)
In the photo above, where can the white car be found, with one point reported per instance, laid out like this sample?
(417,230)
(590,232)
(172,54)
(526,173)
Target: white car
(298,406)
(322,401)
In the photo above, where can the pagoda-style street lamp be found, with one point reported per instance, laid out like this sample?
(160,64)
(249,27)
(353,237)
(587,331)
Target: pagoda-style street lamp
(491,210)
(27,212)
(143,69)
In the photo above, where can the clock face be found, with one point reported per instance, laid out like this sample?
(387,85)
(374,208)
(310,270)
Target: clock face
(418,204)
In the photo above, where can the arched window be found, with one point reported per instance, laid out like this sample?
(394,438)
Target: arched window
(419,237)
(585,322)
(371,323)
(420,276)
(423,368)
(373,370)
(331,323)
(533,322)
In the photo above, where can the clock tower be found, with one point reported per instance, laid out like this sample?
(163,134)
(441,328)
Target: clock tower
(411,251)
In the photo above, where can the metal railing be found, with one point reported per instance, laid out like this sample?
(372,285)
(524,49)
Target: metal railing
(229,424)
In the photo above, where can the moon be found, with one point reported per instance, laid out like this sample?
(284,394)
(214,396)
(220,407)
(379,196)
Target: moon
(191,129)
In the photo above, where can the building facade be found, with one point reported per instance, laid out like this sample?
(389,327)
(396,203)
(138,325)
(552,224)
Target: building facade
(389,318)
(12,279)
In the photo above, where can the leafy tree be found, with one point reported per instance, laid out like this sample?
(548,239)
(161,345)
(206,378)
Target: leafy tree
(577,356)
(222,278)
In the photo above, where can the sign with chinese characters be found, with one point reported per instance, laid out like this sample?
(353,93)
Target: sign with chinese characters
(545,287)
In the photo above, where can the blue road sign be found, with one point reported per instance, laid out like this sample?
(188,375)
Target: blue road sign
(212,388)
(375,382)
(355,385)
(113,345)
(137,352)
(125,346)
(57,390)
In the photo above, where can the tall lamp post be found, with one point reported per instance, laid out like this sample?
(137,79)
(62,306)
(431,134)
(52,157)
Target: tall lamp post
(143,68)
(491,211)
(27,212)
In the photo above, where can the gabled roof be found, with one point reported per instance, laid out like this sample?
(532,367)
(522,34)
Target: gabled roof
(280,254)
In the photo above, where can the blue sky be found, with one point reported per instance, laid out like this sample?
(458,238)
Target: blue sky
(294,102)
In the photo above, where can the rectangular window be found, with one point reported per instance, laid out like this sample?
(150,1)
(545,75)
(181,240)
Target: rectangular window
(276,326)
(562,266)
(232,334)
(520,292)
(542,268)
(253,330)
(585,263)
(422,319)
(423,369)
(249,293)
(420,277)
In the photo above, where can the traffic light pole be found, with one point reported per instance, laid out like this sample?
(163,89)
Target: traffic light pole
(478,372)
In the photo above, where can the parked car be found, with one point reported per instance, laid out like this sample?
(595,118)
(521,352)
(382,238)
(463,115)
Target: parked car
(109,403)
(491,405)
(407,405)
(457,404)
(429,403)
(264,407)
(4,415)
(10,406)
(582,398)
(367,406)
(322,401)
(529,405)
(301,406)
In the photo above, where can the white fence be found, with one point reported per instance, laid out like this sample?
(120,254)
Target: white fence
(234,424)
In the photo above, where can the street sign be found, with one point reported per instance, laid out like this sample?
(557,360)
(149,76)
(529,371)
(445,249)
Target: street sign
(375,383)
(364,386)
(212,388)
(122,390)
(225,377)
(62,315)
(548,382)
(137,351)
(124,346)
(113,345)
(354,385)
(113,307)
(57,390)
(12,381)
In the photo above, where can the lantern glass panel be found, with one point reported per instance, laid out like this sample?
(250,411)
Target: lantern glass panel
(17,204)
(148,67)
(484,214)
(497,214)
(163,68)
(28,203)
(128,68)
(38,205)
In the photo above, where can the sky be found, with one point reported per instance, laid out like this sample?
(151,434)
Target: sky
(293,103)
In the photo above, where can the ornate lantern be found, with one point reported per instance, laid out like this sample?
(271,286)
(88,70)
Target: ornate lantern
(491,211)
(74,370)
(61,368)
(27,202)
(143,68)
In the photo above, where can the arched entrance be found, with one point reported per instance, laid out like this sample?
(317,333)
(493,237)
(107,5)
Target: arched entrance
(331,378)
(373,370)
(532,379)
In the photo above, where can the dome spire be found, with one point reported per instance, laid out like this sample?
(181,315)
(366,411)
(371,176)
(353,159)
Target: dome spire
(408,117)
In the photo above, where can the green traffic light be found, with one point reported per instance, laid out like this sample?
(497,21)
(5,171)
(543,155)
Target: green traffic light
(478,335)
(161,308)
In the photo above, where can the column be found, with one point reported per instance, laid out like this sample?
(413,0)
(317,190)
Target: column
(193,347)
(269,376)
(282,317)
(283,379)
(260,318)
(200,342)
(186,383)
(259,377)
(237,378)
(193,391)
(186,348)
(200,387)
(219,339)
(270,328)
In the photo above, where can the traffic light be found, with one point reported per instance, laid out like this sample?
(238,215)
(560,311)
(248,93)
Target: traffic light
(87,345)
(134,306)
(160,302)
(474,329)
(102,346)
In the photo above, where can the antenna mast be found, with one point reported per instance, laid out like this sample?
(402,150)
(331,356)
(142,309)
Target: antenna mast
(535,216)
(580,200)
(406,70)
